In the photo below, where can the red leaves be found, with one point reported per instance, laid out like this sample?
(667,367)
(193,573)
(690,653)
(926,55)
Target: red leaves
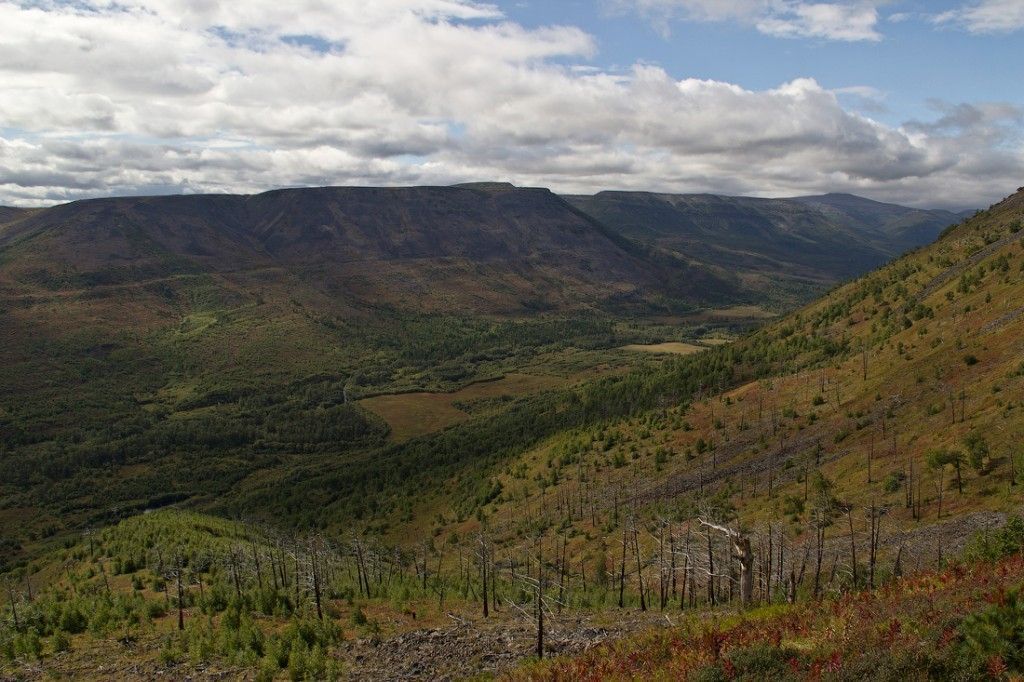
(996,667)
(948,636)
(918,614)
(894,629)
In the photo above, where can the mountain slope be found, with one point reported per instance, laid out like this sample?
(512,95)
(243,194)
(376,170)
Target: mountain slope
(8,213)
(805,243)
(898,228)
(199,340)
(862,387)
(446,249)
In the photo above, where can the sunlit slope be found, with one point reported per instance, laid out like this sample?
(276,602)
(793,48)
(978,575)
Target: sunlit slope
(867,385)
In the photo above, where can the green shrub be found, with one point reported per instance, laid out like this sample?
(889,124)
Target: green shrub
(60,642)
(977,452)
(998,631)
(762,662)
(72,620)
(892,482)
(28,645)
(992,546)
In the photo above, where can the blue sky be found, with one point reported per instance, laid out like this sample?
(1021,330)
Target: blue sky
(915,61)
(899,100)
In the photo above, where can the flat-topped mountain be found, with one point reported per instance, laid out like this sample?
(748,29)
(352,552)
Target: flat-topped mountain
(493,248)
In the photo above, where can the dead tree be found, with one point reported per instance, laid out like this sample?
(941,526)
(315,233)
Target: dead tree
(482,556)
(875,519)
(743,554)
(540,598)
(314,554)
(622,570)
(853,544)
(639,568)
(14,604)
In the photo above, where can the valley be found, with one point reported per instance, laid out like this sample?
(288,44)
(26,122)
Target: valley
(388,472)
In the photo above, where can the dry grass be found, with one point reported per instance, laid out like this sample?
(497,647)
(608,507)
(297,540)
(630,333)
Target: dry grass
(673,347)
(416,414)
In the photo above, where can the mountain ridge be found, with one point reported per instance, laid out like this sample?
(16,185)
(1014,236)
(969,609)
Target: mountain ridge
(515,245)
(787,248)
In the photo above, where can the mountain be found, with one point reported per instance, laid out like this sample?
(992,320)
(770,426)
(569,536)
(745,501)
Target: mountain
(899,227)
(197,339)
(8,213)
(805,243)
(495,249)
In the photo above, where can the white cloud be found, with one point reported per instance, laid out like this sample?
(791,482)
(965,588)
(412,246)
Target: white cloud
(190,96)
(987,16)
(833,21)
(850,20)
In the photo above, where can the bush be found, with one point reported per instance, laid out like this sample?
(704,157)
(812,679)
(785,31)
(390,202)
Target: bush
(762,662)
(72,620)
(998,632)
(977,452)
(28,645)
(892,482)
(60,642)
(992,546)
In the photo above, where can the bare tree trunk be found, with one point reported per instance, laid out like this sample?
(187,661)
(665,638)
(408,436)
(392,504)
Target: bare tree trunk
(14,605)
(181,596)
(853,545)
(314,563)
(483,571)
(819,533)
(711,570)
(256,561)
(876,533)
(672,565)
(639,569)
(540,602)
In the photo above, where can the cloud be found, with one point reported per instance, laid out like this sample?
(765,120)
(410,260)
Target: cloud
(101,98)
(987,16)
(831,21)
(844,21)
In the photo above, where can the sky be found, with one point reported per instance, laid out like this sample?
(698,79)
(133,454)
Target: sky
(917,102)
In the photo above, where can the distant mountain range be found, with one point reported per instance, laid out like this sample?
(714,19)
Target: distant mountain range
(478,248)
(809,240)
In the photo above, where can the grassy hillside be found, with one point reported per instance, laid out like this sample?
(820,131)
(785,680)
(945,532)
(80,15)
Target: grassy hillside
(916,364)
